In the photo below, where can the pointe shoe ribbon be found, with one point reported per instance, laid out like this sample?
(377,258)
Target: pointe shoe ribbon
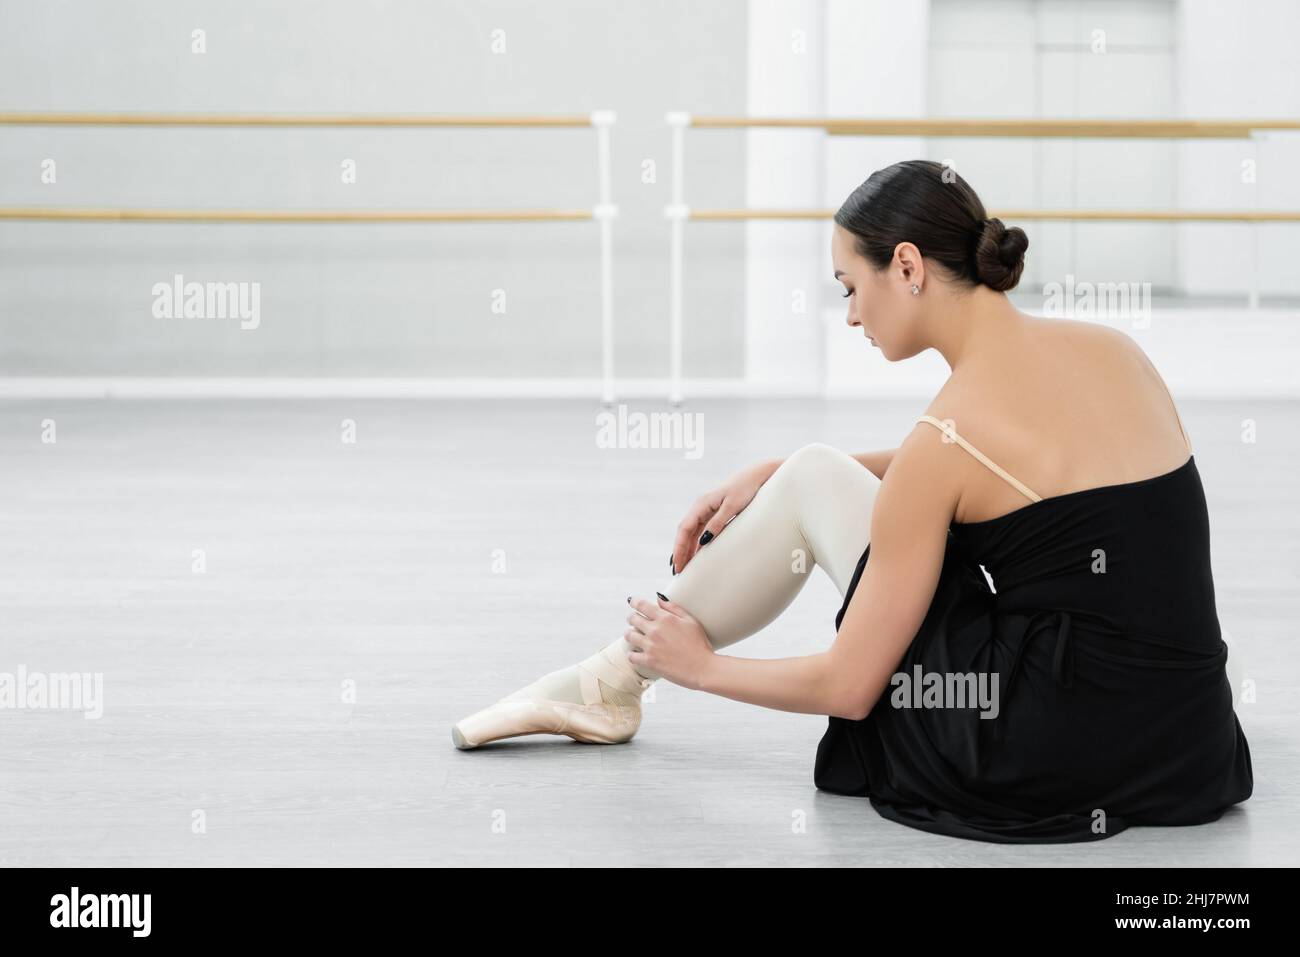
(616,673)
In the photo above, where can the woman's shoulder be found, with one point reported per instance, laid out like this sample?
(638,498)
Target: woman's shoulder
(1079,338)
(1039,379)
(1088,353)
(1067,405)
(1055,354)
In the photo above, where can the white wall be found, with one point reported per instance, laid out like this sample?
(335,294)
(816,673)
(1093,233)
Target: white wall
(762,314)
(1239,61)
(1100,58)
(785,260)
(878,67)
(364,300)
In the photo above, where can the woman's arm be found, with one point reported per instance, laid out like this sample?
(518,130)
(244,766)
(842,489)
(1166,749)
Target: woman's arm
(909,536)
(806,685)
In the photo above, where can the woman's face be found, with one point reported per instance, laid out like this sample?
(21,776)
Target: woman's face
(880,302)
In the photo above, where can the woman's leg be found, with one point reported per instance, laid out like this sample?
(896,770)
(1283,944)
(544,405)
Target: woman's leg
(815,510)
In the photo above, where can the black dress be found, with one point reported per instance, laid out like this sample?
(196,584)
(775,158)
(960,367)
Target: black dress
(1114,705)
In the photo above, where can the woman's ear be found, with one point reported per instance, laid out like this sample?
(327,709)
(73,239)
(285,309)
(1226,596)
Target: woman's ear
(908,264)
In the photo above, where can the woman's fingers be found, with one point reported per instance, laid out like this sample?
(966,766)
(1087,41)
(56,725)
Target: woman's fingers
(688,532)
(666,606)
(633,639)
(646,613)
(643,612)
(644,609)
(713,527)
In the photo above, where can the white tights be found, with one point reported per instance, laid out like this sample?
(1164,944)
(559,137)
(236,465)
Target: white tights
(815,510)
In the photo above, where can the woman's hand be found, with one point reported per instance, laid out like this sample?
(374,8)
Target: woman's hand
(666,639)
(712,510)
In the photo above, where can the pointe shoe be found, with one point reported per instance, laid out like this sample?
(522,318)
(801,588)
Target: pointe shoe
(595,721)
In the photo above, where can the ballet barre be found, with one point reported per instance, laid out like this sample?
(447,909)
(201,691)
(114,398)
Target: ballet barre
(1066,215)
(55,213)
(603,212)
(678,212)
(1001,128)
(291,119)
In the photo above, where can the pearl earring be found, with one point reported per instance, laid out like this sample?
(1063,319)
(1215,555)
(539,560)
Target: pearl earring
(916,290)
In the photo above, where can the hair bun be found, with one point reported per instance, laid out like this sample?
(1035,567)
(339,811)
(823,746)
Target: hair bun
(1000,255)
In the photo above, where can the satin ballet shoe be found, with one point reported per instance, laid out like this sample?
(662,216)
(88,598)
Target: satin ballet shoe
(593,721)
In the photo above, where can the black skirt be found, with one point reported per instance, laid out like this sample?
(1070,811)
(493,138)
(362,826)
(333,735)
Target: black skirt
(1110,709)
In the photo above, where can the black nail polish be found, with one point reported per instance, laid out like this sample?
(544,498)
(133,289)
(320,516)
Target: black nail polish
(662,595)
(629,599)
(674,568)
(706,538)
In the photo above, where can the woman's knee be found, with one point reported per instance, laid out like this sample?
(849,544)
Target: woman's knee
(817,470)
(819,458)
(831,496)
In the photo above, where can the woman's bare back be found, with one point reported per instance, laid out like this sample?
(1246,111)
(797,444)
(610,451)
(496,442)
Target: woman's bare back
(1063,406)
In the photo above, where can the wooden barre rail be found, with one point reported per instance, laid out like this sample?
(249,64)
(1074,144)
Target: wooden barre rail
(54,213)
(1095,215)
(294,216)
(255,119)
(955,126)
(963,126)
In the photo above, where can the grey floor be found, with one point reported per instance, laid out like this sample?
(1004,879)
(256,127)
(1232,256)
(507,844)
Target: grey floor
(452,554)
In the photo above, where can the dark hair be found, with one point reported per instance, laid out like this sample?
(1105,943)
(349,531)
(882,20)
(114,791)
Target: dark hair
(929,205)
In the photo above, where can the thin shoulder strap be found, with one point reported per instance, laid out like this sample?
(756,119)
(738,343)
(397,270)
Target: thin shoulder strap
(949,431)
